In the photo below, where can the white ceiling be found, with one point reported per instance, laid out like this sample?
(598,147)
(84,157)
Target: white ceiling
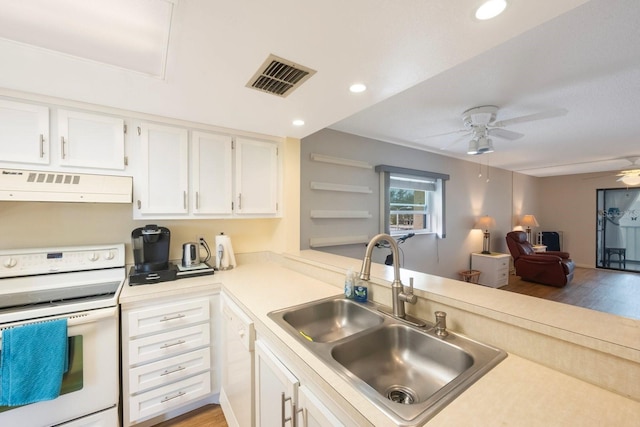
(586,61)
(424,61)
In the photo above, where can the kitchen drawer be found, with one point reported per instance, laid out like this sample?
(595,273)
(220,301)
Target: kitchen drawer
(169,370)
(168,316)
(163,399)
(168,343)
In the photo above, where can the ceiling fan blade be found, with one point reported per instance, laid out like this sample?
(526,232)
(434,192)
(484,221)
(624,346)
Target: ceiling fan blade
(453,132)
(455,142)
(559,112)
(504,133)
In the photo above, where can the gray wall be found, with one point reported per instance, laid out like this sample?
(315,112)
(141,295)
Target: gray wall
(467,197)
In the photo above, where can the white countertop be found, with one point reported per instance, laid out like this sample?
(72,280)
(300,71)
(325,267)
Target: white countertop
(517,392)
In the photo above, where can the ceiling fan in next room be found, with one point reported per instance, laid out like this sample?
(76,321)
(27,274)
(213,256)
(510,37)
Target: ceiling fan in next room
(480,124)
(630,176)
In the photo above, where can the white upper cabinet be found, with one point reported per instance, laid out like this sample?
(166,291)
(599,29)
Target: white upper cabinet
(196,178)
(24,133)
(91,140)
(211,175)
(256,177)
(163,177)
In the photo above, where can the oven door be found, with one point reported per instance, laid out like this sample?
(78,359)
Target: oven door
(91,384)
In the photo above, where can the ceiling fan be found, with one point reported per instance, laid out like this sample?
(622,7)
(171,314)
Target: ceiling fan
(630,176)
(480,123)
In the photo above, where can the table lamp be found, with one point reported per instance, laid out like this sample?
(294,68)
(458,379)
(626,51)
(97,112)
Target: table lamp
(529,221)
(485,223)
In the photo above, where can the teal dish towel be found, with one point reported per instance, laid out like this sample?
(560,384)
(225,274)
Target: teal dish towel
(34,358)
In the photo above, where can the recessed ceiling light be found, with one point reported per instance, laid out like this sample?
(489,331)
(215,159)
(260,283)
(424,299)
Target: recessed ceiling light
(298,122)
(357,88)
(491,9)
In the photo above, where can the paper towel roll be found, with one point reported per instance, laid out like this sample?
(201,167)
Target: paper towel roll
(224,247)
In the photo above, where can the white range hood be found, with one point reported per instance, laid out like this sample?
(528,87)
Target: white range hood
(43,186)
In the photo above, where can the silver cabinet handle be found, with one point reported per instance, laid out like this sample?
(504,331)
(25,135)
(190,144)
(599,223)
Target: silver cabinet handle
(167,318)
(302,411)
(239,201)
(173,344)
(178,369)
(184,199)
(41,146)
(197,200)
(139,205)
(62,142)
(282,405)
(167,398)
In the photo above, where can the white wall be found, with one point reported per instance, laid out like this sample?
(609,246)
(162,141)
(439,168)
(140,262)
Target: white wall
(568,203)
(468,196)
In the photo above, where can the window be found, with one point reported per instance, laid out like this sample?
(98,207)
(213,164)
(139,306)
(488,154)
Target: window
(412,201)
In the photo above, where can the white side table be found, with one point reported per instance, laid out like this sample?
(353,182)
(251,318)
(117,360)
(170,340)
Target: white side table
(539,248)
(493,267)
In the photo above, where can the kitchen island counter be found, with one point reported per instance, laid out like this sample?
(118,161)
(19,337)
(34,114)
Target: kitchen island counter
(519,391)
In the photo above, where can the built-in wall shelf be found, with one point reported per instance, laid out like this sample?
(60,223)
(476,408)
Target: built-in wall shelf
(328,186)
(319,242)
(339,214)
(340,161)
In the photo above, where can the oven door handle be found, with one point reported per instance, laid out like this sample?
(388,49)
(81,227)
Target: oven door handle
(73,319)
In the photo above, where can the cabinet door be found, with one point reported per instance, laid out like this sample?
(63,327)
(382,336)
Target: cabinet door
(91,140)
(256,191)
(24,133)
(211,174)
(164,170)
(312,412)
(276,389)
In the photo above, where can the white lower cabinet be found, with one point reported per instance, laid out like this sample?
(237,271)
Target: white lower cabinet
(237,391)
(281,399)
(169,356)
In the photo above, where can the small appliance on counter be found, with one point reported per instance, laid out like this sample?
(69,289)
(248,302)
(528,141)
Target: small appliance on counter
(151,255)
(192,265)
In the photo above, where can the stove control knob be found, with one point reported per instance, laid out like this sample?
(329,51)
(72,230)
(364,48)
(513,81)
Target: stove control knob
(10,262)
(109,255)
(94,256)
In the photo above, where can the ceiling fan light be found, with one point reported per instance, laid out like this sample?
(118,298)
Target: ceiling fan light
(473,147)
(485,145)
(630,179)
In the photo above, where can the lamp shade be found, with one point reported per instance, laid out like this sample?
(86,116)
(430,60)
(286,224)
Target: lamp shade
(529,221)
(484,223)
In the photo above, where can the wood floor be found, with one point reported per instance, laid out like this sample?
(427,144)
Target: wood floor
(616,292)
(207,416)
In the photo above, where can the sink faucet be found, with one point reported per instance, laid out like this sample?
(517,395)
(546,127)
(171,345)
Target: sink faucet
(398,296)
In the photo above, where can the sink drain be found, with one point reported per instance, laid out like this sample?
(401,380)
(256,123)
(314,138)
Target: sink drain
(402,395)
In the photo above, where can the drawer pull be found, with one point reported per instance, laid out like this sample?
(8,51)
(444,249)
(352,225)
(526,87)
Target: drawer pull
(173,344)
(178,369)
(167,318)
(168,398)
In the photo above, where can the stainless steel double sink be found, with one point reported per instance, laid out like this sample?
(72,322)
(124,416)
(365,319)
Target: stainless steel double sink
(408,372)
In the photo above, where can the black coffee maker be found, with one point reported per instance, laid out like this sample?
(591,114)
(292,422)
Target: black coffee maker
(151,255)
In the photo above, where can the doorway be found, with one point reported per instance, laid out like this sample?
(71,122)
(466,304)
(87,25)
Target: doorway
(618,229)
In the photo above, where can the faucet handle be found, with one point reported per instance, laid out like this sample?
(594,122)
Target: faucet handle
(409,296)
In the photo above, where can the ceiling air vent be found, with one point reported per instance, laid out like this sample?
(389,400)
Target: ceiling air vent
(279,76)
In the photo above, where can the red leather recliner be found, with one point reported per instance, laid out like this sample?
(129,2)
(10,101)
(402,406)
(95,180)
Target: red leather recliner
(553,268)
